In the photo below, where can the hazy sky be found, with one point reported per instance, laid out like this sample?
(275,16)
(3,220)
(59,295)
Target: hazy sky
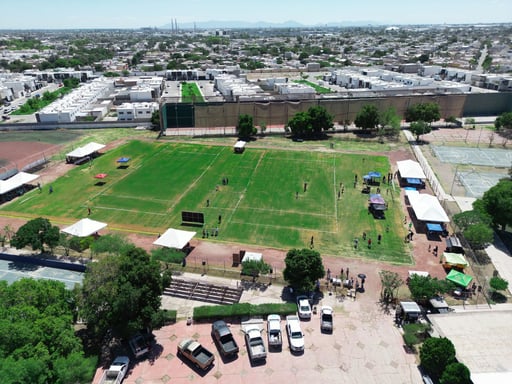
(57,14)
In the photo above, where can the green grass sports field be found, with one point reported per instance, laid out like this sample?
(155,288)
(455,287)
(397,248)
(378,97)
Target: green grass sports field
(263,202)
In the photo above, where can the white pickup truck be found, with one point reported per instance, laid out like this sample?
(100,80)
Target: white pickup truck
(117,371)
(275,338)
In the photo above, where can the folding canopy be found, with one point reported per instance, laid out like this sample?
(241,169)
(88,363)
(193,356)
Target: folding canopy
(100,176)
(454,260)
(239,146)
(410,169)
(16,181)
(376,198)
(86,150)
(459,278)
(175,238)
(427,208)
(123,160)
(433,227)
(85,227)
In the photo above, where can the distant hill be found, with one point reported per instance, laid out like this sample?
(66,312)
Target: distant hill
(234,24)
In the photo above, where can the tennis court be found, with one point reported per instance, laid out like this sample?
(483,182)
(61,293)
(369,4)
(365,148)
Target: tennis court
(476,183)
(11,271)
(493,157)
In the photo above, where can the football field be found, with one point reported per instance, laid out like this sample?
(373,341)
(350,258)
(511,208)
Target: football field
(269,197)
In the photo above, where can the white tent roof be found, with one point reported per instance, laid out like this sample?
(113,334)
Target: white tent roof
(16,181)
(410,170)
(84,228)
(86,150)
(174,238)
(427,208)
(252,256)
(240,144)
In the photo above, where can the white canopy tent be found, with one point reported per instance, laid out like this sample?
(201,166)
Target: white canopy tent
(252,256)
(86,150)
(175,238)
(427,208)
(84,228)
(239,146)
(410,169)
(16,181)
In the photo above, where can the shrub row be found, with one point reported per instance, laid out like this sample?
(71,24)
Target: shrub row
(208,312)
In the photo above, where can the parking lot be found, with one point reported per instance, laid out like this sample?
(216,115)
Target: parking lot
(365,347)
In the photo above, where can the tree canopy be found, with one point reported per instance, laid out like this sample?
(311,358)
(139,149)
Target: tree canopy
(468,218)
(245,126)
(456,373)
(368,117)
(37,339)
(312,122)
(121,293)
(390,281)
(503,121)
(497,202)
(435,354)
(427,112)
(36,233)
(425,287)
(419,128)
(479,235)
(303,268)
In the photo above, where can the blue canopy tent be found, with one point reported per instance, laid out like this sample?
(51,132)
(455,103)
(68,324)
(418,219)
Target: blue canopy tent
(123,160)
(372,178)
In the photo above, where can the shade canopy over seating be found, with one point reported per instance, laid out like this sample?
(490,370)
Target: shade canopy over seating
(86,150)
(433,227)
(100,176)
(455,260)
(252,256)
(85,227)
(123,160)
(16,181)
(427,208)
(175,238)
(459,278)
(376,198)
(410,169)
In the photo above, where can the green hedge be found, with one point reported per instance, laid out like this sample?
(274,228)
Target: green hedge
(242,309)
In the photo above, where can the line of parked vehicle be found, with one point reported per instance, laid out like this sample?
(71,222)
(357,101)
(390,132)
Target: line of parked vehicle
(253,329)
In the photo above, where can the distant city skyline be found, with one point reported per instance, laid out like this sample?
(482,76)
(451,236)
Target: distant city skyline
(74,14)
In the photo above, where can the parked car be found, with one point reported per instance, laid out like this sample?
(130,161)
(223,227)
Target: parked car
(303,307)
(139,345)
(255,344)
(117,371)
(274,336)
(224,339)
(196,353)
(294,332)
(326,319)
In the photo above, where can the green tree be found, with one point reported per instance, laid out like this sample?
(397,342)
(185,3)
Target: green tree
(390,120)
(255,268)
(464,220)
(368,117)
(245,127)
(300,124)
(498,284)
(456,373)
(36,233)
(497,202)
(479,235)
(121,293)
(303,267)
(503,121)
(74,368)
(436,354)
(427,112)
(111,244)
(390,282)
(155,120)
(423,288)
(452,121)
(419,128)
(72,82)
(320,119)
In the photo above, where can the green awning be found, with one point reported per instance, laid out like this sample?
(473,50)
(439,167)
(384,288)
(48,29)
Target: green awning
(459,278)
(455,259)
